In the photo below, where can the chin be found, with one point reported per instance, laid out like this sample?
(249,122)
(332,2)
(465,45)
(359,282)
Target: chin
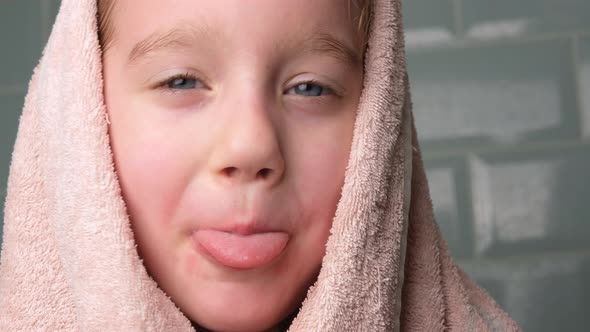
(233,319)
(235,309)
(222,299)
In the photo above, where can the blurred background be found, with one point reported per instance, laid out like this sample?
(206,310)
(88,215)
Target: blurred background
(501,93)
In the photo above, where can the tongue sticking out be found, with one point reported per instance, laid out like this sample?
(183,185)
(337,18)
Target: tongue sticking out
(241,251)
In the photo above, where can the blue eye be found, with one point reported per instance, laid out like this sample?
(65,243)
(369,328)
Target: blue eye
(185,81)
(181,83)
(308,89)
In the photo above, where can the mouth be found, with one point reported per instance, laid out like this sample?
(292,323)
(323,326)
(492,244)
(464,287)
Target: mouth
(240,251)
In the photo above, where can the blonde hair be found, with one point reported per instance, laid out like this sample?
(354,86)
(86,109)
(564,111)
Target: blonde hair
(364,21)
(106,29)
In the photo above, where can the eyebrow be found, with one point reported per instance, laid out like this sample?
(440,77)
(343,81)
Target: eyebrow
(327,44)
(176,38)
(184,36)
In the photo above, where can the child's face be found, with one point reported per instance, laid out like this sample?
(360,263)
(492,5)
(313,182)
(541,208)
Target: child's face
(231,125)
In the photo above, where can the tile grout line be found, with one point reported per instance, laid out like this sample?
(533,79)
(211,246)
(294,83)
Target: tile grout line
(549,254)
(470,42)
(521,147)
(576,67)
(458,24)
(470,193)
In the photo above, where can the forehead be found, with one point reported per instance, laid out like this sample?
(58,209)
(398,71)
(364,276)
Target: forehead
(261,22)
(327,9)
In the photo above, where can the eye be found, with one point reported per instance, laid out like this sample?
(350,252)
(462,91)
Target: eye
(182,82)
(309,89)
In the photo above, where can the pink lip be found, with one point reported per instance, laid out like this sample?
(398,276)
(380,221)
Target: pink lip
(240,250)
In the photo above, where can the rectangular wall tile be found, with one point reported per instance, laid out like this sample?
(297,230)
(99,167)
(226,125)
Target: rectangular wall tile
(584,82)
(448,190)
(496,94)
(530,202)
(509,18)
(428,22)
(542,294)
(21,33)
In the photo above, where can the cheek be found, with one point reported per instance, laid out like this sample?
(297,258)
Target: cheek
(321,156)
(151,170)
(152,158)
(152,173)
(320,168)
(323,170)
(151,179)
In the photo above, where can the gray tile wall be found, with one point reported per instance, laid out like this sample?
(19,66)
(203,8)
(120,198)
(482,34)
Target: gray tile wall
(502,103)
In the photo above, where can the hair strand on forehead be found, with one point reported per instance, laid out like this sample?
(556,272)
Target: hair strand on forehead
(105,27)
(363,19)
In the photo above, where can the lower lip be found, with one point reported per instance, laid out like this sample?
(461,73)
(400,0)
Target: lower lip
(241,251)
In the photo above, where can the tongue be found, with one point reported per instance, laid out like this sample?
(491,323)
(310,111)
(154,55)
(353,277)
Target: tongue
(241,251)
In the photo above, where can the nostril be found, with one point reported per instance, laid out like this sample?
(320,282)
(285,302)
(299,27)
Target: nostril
(229,171)
(264,173)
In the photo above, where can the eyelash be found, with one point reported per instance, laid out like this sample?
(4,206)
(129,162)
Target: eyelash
(188,76)
(328,89)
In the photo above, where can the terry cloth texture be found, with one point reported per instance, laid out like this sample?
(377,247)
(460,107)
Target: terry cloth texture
(69,260)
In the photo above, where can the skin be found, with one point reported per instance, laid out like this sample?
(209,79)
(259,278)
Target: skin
(215,128)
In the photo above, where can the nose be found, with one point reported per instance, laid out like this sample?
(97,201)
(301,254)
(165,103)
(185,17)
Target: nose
(248,148)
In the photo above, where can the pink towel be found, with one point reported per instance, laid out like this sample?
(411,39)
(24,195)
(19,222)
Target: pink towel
(69,260)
